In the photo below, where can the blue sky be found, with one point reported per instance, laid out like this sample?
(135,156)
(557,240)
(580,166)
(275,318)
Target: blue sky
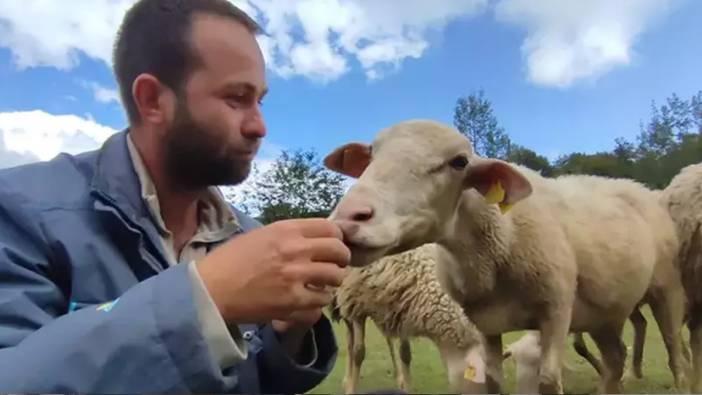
(563,75)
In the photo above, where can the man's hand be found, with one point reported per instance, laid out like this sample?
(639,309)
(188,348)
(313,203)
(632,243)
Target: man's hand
(276,272)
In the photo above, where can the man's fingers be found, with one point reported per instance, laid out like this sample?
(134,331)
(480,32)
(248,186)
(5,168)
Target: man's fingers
(318,227)
(320,274)
(312,299)
(329,250)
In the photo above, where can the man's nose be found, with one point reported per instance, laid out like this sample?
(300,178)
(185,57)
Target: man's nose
(254,126)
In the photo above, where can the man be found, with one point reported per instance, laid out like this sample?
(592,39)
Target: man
(124,271)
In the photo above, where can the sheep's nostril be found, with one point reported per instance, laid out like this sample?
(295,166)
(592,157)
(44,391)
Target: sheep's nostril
(363,216)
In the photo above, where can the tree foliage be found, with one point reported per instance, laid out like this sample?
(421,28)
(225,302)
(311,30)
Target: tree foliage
(667,142)
(474,117)
(526,157)
(297,185)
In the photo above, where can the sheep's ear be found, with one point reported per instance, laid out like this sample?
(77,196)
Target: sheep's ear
(498,182)
(349,159)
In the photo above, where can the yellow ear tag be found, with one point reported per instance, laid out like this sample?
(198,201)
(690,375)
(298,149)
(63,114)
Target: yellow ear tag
(496,194)
(504,207)
(469,373)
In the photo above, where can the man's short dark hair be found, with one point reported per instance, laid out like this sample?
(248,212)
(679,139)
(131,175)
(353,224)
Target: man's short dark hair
(154,38)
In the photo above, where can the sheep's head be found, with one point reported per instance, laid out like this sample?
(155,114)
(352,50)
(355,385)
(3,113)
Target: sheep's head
(409,181)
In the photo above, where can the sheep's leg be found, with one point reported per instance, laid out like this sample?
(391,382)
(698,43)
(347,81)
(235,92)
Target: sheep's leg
(554,333)
(348,384)
(669,310)
(639,323)
(582,350)
(406,359)
(357,352)
(609,342)
(493,349)
(393,357)
(695,326)
(359,349)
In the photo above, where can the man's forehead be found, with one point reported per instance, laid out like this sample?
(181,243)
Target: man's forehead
(222,42)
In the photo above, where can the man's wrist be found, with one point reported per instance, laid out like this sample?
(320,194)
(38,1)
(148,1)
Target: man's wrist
(225,342)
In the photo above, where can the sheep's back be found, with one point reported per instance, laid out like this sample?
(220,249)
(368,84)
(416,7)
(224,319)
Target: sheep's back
(402,295)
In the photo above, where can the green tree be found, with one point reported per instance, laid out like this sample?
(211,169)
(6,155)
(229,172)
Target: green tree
(605,164)
(696,110)
(297,185)
(526,157)
(669,141)
(473,116)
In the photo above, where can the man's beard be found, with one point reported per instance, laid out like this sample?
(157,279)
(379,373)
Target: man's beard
(195,160)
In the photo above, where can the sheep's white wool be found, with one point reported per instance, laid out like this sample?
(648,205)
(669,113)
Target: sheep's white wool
(402,296)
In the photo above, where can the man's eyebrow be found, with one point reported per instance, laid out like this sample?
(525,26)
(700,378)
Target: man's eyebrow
(246,86)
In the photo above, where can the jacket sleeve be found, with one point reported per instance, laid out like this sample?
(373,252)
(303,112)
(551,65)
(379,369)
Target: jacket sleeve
(146,341)
(280,373)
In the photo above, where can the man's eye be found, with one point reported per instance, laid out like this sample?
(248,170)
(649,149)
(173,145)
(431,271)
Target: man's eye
(239,100)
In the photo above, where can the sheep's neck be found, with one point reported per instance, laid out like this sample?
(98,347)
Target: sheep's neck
(477,239)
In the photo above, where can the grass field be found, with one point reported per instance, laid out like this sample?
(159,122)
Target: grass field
(428,374)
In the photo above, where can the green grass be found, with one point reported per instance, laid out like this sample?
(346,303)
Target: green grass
(428,373)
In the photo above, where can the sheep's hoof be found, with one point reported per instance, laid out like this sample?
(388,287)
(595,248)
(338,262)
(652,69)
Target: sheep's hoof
(610,388)
(638,372)
(682,383)
(632,374)
(550,388)
(402,384)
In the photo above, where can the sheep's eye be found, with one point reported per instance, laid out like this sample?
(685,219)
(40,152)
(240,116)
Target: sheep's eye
(459,162)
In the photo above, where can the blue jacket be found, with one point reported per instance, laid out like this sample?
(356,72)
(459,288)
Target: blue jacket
(75,235)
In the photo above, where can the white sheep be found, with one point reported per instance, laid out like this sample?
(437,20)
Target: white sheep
(573,254)
(402,296)
(683,199)
(526,353)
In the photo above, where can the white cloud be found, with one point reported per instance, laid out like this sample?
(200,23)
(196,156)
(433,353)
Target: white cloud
(318,39)
(101,93)
(40,135)
(53,33)
(570,40)
(11,158)
(566,40)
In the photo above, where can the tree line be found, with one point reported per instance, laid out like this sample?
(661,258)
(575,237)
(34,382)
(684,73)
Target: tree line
(298,186)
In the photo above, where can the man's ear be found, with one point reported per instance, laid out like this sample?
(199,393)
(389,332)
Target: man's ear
(154,102)
(498,182)
(349,159)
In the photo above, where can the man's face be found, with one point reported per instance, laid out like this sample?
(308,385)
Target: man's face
(218,127)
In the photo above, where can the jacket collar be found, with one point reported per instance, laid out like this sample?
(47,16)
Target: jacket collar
(116,185)
(116,180)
